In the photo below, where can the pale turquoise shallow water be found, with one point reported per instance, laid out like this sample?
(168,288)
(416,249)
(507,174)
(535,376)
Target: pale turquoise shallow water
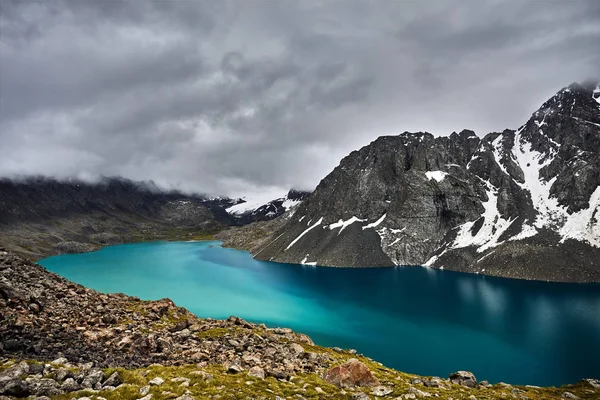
(415,319)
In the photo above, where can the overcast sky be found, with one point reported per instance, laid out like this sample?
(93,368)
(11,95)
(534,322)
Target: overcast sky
(255,97)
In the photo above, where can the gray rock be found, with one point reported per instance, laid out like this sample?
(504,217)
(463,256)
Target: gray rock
(595,383)
(381,391)
(185,397)
(433,382)
(113,380)
(44,387)
(16,371)
(257,372)
(463,378)
(62,373)
(70,385)
(15,387)
(234,369)
(568,395)
(93,378)
(418,393)
(156,381)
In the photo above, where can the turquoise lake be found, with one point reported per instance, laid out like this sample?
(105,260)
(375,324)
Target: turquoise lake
(414,319)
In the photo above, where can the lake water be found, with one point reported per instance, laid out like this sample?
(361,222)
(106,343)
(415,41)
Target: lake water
(414,319)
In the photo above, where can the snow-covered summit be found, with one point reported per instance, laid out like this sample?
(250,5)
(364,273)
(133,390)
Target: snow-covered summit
(257,210)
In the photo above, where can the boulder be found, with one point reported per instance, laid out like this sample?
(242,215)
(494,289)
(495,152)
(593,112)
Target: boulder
(595,383)
(433,382)
(350,374)
(43,387)
(234,369)
(70,385)
(113,380)
(257,372)
(156,381)
(463,378)
(15,387)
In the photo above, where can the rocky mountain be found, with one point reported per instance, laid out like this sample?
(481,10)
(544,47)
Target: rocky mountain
(61,340)
(520,203)
(38,198)
(41,216)
(245,212)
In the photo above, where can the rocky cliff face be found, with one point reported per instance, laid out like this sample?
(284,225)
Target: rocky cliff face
(522,203)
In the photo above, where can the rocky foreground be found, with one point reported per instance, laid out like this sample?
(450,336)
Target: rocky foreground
(60,340)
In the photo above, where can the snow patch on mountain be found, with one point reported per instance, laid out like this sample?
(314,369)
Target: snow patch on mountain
(496,149)
(584,225)
(436,175)
(257,208)
(490,231)
(531,162)
(288,204)
(246,206)
(305,232)
(306,262)
(376,223)
(526,231)
(343,224)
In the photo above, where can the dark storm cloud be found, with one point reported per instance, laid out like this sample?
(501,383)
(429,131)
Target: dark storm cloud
(256,97)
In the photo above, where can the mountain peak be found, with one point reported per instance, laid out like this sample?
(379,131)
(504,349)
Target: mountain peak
(462,202)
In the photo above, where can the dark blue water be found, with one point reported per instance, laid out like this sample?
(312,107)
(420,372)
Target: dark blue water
(414,319)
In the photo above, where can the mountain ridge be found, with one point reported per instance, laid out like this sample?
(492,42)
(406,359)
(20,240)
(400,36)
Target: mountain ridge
(531,195)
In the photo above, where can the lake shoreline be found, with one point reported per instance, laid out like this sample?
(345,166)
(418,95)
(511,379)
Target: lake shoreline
(311,299)
(218,375)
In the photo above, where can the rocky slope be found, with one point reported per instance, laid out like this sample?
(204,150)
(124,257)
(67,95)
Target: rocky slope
(523,204)
(61,340)
(41,216)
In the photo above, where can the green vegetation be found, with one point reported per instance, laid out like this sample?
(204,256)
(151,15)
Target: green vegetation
(202,383)
(213,381)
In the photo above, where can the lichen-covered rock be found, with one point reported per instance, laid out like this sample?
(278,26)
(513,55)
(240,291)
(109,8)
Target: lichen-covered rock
(381,391)
(350,374)
(595,383)
(463,378)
